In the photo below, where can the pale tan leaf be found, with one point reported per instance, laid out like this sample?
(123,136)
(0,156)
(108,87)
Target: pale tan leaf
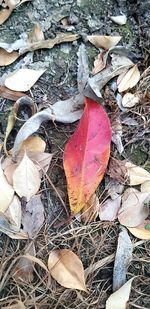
(120,19)
(134,209)
(7,58)
(123,258)
(17,305)
(120,60)
(137,175)
(109,209)
(141,231)
(89,211)
(9,171)
(13,212)
(130,79)
(22,79)
(119,299)
(67,269)
(145,186)
(26,179)
(4,14)
(11,230)
(103,41)
(10,94)
(36,34)
(33,144)
(129,100)
(6,192)
(99,63)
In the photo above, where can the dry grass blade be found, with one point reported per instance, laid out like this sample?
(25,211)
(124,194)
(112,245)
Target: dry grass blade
(17,305)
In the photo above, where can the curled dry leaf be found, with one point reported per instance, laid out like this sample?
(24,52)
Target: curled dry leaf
(137,175)
(141,231)
(10,94)
(109,209)
(123,258)
(67,269)
(26,178)
(120,19)
(13,212)
(83,69)
(36,34)
(66,111)
(103,41)
(130,79)
(145,186)
(134,209)
(89,211)
(23,79)
(86,155)
(11,230)
(129,100)
(7,58)
(118,299)
(6,192)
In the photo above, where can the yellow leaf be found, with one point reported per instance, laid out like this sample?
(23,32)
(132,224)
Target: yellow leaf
(7,58)
(26,179)
(6,192)
(104,41)
(137,175)
(141,231)
(130,79)
(118,299)
(22,79)
(67,269)
(33,144)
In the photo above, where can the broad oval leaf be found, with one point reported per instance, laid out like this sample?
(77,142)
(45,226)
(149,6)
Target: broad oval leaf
(26,178)
(137,175)
(7,58)
(67,269)
(130,79)
(6,192)
(86,155)
(104,41)
(141,231)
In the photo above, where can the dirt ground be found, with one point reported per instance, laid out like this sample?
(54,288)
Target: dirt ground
(94,241)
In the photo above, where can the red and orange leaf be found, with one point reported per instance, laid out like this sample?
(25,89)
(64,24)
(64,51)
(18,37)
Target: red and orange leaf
(86,155)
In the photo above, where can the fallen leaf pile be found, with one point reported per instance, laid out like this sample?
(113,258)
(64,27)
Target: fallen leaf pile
(85,159)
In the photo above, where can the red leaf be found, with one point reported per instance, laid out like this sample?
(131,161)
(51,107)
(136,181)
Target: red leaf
(86,155)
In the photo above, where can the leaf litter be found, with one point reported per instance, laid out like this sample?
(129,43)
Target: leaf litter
(29,162)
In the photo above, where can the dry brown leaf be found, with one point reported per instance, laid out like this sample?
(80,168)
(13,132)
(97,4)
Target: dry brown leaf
(23,79)
(17,305)
(6,192)
(4,14)
(120,19)
(36,34)
(9,171)
(89,212)
(67,269)
(33,144)
(109,209)
(117,170)
(130,79)
(10,94)
(119,299)
(134,209)
(129,100)
(145,186)
(99,63)
(137,175)
(33,216)
(103,41)
(7,58)
(13,212)
(141,231)
(11,4)
(11,230)
(26,179)
(116,126)
(123,258)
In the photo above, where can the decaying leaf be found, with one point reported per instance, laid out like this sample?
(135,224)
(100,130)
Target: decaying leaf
(130,79)
(109,209)
(4,14)
(26,178)
(33,216)
(129,100)
(11,4)
(141,231)
(36,34)
(33,144)
(120,19)
(83,69)
(23,79)
(118,170)
(134,209)
(145,186)
(6,192)
(67,269)
(99,63)
(89,211)
(7,58)
(66,111)
(118,299)
(117,131)
(10,94)
(86,155)
(137,175)
(13,212)
(11,230)
(103,41)
(123,258)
